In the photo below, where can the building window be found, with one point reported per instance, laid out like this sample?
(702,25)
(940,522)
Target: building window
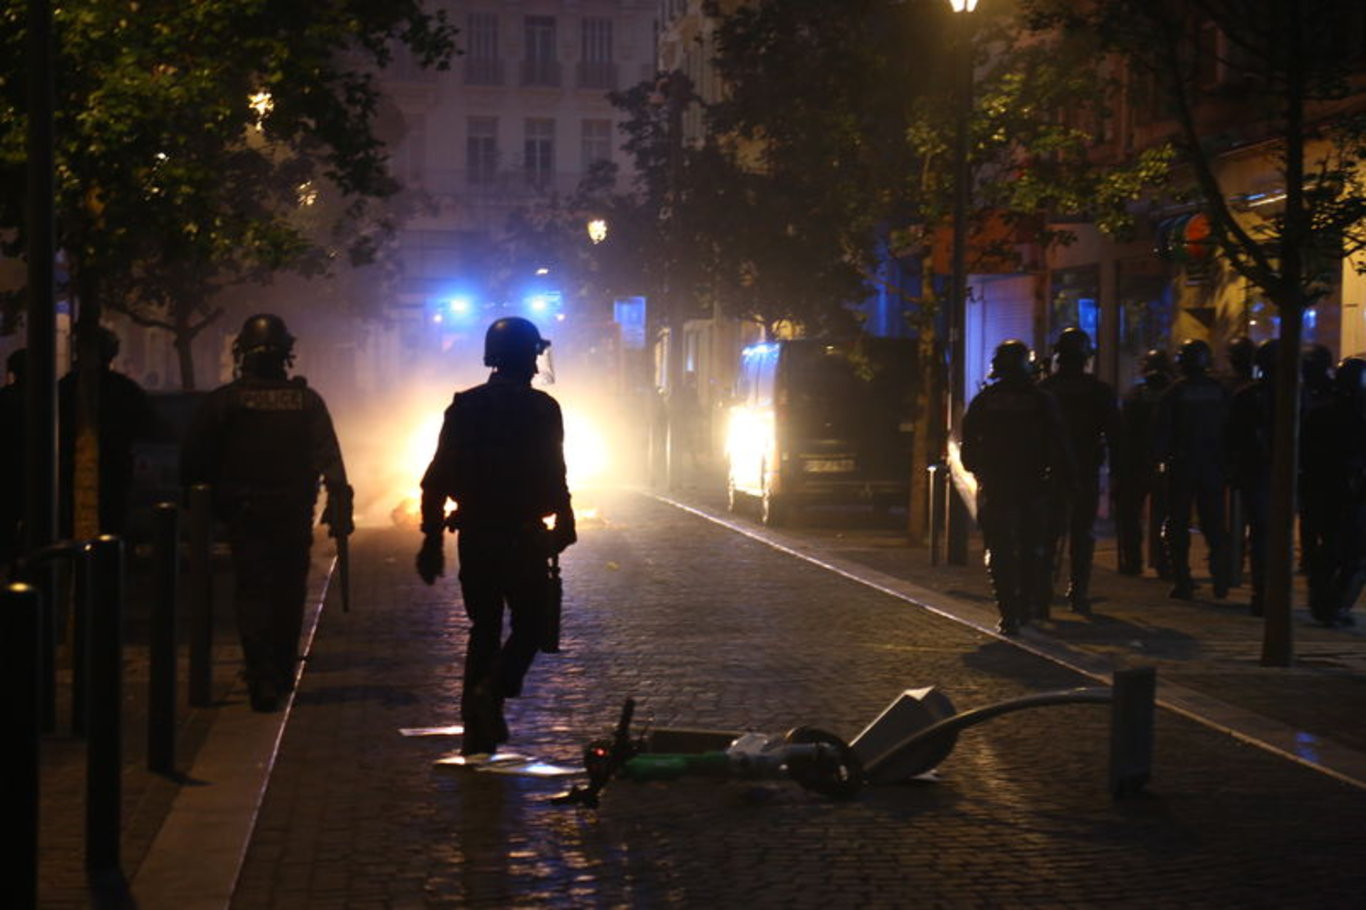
(539,152)
(481,151)
(540,66)
(597,142)
(596,66)
(482,66)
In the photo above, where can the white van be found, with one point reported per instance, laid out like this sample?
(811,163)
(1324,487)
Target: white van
(822,422)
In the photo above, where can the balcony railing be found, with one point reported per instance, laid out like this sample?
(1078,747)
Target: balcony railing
(484,72)
(597,74)
(541,72)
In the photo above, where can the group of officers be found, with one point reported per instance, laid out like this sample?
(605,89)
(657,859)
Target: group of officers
(1183,443)
(265,445)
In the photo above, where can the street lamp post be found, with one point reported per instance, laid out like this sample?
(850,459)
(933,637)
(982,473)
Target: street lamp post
(959,517)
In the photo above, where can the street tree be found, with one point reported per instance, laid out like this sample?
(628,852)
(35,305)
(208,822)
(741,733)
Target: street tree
(1292,83)
(838,126)
(186,133)
(189,133)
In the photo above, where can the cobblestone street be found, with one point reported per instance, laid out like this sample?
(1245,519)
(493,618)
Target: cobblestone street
(706,628)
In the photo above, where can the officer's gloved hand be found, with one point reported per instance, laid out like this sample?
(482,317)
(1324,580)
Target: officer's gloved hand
(431,559)
(564,534)
(338,515)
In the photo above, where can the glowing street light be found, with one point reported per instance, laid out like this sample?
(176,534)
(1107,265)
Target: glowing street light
(262,103)
(597,230)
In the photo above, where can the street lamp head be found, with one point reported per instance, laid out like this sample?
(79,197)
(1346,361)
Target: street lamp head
(963,6)
(597,230)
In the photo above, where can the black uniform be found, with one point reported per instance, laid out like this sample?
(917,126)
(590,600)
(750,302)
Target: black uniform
(1189,427)
(1334,449)
(501,459)
(12,454)
(125,416)
(1316,503)
(1251,418)
(1092,418)
(1016,444)
(262,444)
(1136,478)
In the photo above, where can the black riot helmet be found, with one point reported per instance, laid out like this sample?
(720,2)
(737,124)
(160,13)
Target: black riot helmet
(1350,378)
(1012,360)
(1316,360)
(264,345)
(513,343)
(1155,361)
(1073,348)
(1194,357)
(1267,353)
(16,365)
(1241,352)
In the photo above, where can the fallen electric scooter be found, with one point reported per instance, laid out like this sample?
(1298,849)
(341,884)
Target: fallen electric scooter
(910,738)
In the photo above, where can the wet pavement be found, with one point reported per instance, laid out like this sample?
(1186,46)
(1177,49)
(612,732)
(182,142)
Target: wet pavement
(708,620)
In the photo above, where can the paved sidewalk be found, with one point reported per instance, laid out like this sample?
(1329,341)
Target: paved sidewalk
(349,813)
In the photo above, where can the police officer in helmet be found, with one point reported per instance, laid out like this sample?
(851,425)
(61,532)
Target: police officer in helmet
(1091,413)
(1334,447)
(1015,443)
(1251,418)
(1189,442)
(1135,475)
(262,442)
(500,459)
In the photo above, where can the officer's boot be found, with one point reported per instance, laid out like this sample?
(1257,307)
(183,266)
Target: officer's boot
(1183,587)
(1005,583)
(1078,592)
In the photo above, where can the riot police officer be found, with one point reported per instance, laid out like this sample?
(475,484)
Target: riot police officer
(500,458)
(1335,457)
(1189,443)
(12,416)
(261,442)
(1091,414)
(1251,418)
(1015,443)
(124,416)
(1241,355)
(1317,392)
(1135,475)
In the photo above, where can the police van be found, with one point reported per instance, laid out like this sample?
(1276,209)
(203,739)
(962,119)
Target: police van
(818,421)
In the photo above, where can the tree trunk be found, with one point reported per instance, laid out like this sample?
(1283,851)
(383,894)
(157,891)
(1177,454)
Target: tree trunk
(1296,232)
(84,492)
(1277,636)
(184,349)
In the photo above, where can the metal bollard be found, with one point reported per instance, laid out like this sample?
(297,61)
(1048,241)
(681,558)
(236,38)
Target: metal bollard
(199,583)
(161,685)
(79,569)
(21,615)
(1131,730)
(104,761)
(938,475)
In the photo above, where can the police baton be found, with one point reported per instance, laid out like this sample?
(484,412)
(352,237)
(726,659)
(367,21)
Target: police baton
(550,636)
(344,570)
(338,505)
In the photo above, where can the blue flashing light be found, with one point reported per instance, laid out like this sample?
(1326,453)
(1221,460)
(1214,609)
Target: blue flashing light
(538,303)
(460,306)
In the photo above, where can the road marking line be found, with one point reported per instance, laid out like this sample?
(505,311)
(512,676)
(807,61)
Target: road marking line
(1325,756)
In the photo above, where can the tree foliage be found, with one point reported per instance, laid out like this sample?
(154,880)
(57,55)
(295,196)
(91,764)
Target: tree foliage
(187,134)
(834,141)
